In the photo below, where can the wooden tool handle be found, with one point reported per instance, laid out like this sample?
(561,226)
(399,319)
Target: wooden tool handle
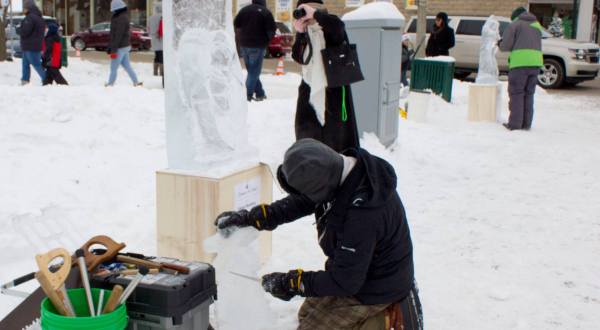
(139,262)
(177,268)
(55,279)
(53,294)
(135,271)
(113,301)
(112,248)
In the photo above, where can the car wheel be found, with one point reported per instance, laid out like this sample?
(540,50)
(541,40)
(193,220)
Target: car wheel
(552,74)
(268,54)
(79,44)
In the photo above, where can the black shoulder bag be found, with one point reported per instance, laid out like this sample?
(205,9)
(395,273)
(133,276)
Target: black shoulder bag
(341,64)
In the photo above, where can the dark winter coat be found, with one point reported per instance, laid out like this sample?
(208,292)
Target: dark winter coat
(119,30)
(52,48)
(363,232)
(440,41)
(406,57)
(32,29)
(255,25)
(336,133)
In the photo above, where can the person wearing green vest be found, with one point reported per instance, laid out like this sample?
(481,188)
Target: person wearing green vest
(523,39)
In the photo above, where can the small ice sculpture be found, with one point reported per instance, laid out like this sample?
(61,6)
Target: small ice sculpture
(205,100)
(488,65)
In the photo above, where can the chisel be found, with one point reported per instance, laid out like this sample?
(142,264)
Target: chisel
(143,270)
(85,280)
(113,301)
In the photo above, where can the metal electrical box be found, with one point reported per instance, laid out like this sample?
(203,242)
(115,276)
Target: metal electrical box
(379,45)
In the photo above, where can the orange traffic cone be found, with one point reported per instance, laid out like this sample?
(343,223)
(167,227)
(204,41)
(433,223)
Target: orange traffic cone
(280,70)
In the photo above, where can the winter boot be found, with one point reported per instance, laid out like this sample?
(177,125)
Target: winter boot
(156,66)
(161,70)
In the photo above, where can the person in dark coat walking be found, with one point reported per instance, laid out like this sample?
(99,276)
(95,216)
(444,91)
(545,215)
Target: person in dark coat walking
(323,113)
(119,45)
(441,39)
(52,58)
(407,54)
(523,39)
(255,27)
(362,229)
(31,32)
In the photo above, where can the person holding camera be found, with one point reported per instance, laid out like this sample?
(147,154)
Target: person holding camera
(323,113)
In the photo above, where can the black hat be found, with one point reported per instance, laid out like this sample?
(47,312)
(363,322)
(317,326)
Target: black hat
(312,169)
(517,12)
(300,2)
(443,16)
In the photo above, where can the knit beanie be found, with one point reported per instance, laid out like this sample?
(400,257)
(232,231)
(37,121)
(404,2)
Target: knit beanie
(517,12)
(312,169)
(116,5)
(300,2)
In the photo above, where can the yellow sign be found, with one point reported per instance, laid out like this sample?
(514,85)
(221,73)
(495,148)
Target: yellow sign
(412,4)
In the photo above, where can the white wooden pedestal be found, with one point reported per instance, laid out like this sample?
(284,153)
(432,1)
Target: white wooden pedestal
(483,102)
(188,204)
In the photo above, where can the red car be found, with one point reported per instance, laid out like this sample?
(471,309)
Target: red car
(282,42)
(98,37)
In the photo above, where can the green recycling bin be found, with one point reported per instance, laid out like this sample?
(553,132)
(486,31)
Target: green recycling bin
(64,56)
(434,75)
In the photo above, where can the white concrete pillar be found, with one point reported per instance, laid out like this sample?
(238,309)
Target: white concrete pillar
(584,20)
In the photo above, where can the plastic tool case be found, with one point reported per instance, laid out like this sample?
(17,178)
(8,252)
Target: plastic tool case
(168,301)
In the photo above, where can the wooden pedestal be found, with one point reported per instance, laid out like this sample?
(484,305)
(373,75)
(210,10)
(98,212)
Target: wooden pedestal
(187,206)
(483,102)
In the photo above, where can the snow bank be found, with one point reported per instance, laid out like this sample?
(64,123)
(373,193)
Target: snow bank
(504,224)
(374,10)
(447,59)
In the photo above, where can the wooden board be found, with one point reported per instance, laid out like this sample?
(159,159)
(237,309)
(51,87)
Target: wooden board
(187,206)
(483,102)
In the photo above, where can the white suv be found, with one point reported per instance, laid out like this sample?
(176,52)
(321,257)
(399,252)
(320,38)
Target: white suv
(565,61)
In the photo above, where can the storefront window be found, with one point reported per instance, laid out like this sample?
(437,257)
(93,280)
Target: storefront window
(557,18)
(137,12)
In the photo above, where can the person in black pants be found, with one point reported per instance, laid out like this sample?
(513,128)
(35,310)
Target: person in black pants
(441,39)
(323,113)
(52,58)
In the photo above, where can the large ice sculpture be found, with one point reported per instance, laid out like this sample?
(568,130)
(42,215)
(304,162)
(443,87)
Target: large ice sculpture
(205,99)
(488,65)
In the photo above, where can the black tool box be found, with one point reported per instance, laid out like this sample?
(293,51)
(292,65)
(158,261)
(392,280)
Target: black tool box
(168,300)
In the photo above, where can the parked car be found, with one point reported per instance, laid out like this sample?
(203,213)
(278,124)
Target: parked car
(565,61)
(98,37)
(13,40)
(281,43)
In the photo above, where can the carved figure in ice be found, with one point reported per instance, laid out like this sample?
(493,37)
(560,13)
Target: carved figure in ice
(488,65)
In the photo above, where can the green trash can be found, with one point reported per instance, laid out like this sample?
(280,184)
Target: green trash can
(429,74)
(64,56)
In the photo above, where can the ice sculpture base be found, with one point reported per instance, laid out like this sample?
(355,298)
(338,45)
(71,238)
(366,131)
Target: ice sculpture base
(484,102)
(188,203)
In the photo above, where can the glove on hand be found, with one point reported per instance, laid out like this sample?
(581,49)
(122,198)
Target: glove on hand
(284,285)
(113,55)
(256,217)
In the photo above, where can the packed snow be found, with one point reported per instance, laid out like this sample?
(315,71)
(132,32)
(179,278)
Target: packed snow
(375,10)
(505,225)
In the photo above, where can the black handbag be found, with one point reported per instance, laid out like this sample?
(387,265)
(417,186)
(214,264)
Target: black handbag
(341,64)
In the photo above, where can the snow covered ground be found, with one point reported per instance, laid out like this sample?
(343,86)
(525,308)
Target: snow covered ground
(505,225)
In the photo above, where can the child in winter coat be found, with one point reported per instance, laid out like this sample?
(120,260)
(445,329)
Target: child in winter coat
(51,60)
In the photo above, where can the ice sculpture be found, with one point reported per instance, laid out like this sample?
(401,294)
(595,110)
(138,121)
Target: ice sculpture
(488,65)
(205,100)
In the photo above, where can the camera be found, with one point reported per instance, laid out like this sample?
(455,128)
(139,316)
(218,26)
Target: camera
(299,13)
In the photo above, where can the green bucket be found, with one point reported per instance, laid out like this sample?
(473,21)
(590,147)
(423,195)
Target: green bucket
(51,320)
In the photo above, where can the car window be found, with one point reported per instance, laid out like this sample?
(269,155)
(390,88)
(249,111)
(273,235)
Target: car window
(470,27)
(430,22)
(282,28)
(100,27)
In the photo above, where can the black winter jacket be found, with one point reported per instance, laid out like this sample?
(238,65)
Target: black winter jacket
(255,25)
(32,30)
(119,30)
(363,232)
(440,41)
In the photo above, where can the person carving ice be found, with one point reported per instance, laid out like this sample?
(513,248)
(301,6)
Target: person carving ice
(362,229)
(322,113)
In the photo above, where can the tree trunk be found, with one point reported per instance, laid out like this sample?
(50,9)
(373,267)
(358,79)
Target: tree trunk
(421,27)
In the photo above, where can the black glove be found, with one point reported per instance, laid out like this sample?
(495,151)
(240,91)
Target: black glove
(256,217)
(284,285)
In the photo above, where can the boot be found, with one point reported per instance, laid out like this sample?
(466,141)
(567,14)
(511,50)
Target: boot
(156,65)
(161,70)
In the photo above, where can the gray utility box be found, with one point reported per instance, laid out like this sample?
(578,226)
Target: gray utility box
(379,45)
